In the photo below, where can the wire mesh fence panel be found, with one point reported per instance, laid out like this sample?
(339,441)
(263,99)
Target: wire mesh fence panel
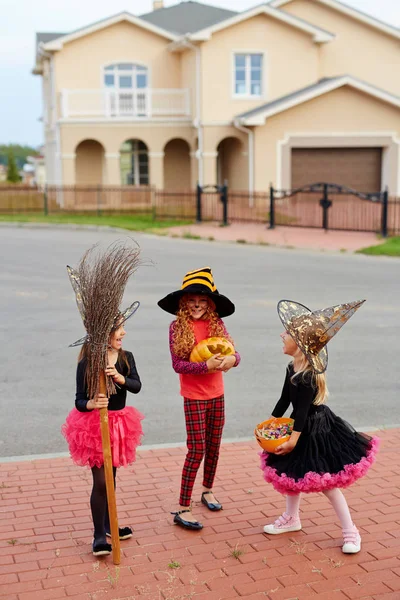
(248,207)
(174,205)
(351,213)
(211,206)
(300,210)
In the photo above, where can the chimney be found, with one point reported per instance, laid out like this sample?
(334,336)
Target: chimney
(157,4)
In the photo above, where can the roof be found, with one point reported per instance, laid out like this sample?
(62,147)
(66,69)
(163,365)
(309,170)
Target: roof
(57,43)
(43,38)
(259,115)
(319,35)
(356,14)
(187,17)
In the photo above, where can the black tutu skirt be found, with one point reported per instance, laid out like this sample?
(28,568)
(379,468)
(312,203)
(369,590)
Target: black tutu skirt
(329,454)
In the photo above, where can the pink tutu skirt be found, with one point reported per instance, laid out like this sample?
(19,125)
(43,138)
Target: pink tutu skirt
(83,435)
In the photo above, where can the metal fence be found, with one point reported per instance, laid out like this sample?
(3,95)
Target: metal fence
(298,208)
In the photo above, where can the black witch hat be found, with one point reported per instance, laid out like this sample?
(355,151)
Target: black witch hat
(201,282)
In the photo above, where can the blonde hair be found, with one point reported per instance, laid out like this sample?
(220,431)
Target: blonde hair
(318,380)
(183,339)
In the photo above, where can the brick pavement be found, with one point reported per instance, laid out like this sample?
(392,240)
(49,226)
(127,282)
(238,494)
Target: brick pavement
(45,534)
(287,237)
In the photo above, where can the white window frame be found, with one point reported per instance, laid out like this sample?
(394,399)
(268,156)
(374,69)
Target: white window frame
(128,72)
(136,151)
(247,95)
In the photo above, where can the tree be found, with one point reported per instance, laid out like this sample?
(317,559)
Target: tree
(12,171)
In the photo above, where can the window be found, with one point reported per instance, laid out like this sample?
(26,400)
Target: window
(125,76)
(127,84)
(134,163)
(248,74)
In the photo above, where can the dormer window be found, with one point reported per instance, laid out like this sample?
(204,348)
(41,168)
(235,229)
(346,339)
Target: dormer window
(248,75)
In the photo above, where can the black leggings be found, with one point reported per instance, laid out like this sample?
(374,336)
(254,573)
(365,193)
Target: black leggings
(98,503)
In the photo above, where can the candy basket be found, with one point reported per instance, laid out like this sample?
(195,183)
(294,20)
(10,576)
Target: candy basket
(270,444)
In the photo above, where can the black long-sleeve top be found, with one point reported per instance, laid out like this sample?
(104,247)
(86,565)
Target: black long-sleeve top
(118,400)
(300,394)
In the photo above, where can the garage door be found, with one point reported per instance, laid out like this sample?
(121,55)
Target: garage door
(357,168)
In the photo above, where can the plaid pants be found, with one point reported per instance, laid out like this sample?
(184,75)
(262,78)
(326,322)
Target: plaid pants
(204,424)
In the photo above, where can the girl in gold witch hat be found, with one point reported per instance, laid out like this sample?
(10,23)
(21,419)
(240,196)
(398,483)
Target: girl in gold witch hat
(323,453)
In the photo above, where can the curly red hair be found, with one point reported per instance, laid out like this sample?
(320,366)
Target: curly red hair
(183,336)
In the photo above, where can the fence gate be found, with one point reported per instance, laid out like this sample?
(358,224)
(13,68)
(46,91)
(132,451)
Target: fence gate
(203,192)
(329,206)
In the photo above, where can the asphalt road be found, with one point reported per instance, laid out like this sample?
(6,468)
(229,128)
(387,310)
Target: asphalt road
(40,318)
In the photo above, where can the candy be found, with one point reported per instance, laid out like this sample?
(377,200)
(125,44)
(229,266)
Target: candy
(274,433)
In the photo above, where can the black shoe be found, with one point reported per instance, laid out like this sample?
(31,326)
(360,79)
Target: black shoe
(194,525)
(210,505)
(124,533)
(101,548)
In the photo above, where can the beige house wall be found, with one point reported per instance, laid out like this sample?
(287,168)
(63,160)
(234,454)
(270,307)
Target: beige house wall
(79,65)
(290,62)
(111,136)
(340,118)
(358,49)
(188,76)
(89,163)
(177,166)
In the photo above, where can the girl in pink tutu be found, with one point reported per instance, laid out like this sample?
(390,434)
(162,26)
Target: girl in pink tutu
(323,453)
(82,427)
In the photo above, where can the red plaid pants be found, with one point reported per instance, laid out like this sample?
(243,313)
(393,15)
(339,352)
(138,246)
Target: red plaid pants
(204,425)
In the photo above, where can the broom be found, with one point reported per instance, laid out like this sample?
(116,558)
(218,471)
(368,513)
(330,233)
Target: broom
(99,283)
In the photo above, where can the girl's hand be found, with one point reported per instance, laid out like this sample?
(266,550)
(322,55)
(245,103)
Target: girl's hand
(111,371)
(227,363)
(214,362)
(100,401)
(285,448)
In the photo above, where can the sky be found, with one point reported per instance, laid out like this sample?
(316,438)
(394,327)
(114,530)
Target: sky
(20,91)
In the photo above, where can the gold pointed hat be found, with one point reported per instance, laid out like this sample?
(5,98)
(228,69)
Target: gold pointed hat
(312,330)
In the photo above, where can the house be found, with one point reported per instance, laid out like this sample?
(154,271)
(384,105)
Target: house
(289,92)
(37,164)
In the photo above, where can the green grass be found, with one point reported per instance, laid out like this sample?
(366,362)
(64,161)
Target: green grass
(390,247)
(132,222)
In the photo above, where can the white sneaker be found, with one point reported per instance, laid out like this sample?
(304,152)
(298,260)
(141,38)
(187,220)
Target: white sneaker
(352,541)
(284,524)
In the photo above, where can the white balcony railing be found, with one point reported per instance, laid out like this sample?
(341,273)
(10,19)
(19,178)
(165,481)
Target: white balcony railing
(110,104)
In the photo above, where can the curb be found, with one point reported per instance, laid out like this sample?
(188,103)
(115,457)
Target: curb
(167,445)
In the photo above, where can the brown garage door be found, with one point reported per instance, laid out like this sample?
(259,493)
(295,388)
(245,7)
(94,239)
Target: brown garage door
(357,168)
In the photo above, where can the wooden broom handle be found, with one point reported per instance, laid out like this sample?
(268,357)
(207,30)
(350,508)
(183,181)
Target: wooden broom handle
(108,471)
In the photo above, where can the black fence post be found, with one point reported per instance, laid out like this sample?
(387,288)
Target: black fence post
(198,203)
(45,200)
(224,200)
(325,203)
(385,203)
(271,208)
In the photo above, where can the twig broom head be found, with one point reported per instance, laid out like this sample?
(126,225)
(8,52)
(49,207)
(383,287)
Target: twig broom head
(99,283)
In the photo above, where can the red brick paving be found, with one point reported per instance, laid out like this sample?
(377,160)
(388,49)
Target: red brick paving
(287,237)
(45,535)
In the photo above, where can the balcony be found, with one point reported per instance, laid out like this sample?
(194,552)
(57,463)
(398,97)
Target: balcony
(129,104)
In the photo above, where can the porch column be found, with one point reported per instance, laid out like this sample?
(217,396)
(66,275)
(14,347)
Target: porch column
(112,169)
(210,168)
(68,169)
(194,169)
(156,169)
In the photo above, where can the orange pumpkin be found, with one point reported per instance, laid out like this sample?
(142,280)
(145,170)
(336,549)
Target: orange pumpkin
(210,346)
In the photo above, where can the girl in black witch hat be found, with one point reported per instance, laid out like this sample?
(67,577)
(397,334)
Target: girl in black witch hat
(324,453)
(199,309)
